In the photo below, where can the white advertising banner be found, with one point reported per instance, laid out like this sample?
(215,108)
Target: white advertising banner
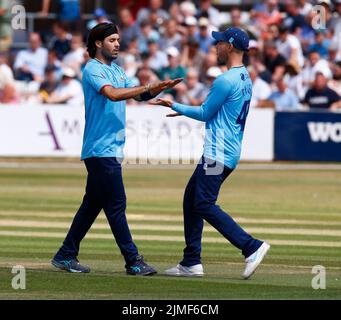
(57,131)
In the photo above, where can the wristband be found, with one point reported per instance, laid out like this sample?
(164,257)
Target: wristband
(146,96)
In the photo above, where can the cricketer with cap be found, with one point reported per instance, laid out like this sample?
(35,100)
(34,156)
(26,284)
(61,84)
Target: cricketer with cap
(106,87)
(225,111)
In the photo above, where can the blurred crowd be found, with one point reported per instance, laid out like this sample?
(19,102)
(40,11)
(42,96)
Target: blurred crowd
(294,57)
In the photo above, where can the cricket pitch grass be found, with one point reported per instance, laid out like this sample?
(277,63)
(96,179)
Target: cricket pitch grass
(297,211)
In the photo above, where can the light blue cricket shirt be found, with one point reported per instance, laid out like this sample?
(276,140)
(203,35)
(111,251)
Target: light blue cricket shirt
(104,132)
(225,111)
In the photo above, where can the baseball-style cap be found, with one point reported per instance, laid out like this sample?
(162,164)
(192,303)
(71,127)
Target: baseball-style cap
(68,72)
(237,37)
(172,51)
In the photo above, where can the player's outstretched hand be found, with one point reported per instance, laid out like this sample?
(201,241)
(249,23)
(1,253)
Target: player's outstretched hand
(162,102)
(166,103)
(158,87)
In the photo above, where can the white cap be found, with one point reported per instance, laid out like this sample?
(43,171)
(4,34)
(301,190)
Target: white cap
(68,72)
(253,44)
(172,51)
(325,71)
(204,22)
(188,7)
(191,21)
(213,72)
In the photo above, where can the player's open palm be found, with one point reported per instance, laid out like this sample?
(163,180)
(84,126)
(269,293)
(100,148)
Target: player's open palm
(164,85)
(162,102)
(166,103)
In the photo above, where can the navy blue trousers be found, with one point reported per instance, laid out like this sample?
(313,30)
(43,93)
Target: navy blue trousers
(104,190)
(200,204)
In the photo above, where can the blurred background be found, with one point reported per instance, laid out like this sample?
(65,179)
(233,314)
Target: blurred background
(294,60)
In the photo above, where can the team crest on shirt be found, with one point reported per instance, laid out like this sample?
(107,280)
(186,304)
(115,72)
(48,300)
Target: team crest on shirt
(242,76)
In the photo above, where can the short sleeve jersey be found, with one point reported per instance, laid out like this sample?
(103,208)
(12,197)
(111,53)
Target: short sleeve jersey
(104,132)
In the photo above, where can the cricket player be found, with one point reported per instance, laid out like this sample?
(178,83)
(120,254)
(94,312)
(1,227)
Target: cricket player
(106,87)
(224,111)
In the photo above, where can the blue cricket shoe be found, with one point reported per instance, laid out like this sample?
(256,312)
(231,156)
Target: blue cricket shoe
(140,268)
(71,265)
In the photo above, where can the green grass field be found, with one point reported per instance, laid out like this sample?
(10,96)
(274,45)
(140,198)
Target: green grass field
(297,211)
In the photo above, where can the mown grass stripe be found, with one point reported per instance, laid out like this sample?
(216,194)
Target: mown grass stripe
(168,238)
(175,218)
(135,226)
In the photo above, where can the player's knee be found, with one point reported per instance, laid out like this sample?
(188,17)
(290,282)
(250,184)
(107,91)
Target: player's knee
(202,206)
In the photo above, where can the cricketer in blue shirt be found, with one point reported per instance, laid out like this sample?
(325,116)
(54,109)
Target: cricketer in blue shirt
(225,112)
(106,87)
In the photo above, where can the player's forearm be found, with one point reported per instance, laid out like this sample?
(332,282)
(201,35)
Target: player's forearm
(194,112)
(119,94)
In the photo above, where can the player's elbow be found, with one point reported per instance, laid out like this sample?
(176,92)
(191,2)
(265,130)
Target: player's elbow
(110,93)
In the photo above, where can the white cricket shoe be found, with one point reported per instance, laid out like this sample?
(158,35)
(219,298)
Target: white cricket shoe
(182,271)
(253,261)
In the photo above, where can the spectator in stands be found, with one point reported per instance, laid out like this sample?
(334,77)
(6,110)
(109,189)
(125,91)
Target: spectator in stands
(192,56)
(157,58)
(282,99)
(129,29)
(147,32)
(335,82)
(52,59)
(174,69)
(289,47)
(320,96)
(273,60)
(328,16)
(321,44)
(50,83)
(191,26)
(264,14)
(61,41)
(293,78)
(175,12)
(154,11)
(191,92)
(236,21)
(133,50)
(75,57)
(211,74)
(69,12)
(8,93)
(6,31)
(210,60)
(203,37)
(206,9)
(30,63)
(314,64)
(187,9)
(86,59)
(130,66)
(171,37)
(100,17)
(304,7)
(145,76)
(294,20)
(69,91)
(336,39)
(261,90)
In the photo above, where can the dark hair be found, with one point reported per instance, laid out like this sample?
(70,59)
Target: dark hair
(99,32)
